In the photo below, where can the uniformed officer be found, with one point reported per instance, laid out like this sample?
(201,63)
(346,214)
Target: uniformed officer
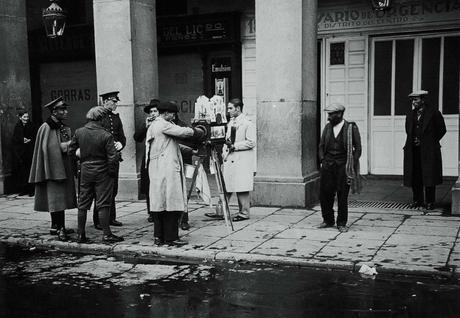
(112,123)
(96,149)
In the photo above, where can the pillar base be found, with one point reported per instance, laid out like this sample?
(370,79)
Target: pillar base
(286,193)
(455,208)
(128,189)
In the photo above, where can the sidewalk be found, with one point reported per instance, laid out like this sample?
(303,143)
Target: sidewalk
(403,241)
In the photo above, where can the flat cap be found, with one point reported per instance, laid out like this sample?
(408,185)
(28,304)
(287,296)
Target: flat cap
(168,106)
(96,113)
(110,95)
(334,107)
(57,103)
(417,93)
(153,103)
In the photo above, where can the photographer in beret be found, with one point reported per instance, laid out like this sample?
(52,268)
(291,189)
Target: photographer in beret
(112,123)
(167,192)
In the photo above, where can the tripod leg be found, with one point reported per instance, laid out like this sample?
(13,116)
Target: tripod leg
(222,190)
(192,186)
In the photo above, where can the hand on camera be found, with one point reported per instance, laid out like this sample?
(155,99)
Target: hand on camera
(118,146)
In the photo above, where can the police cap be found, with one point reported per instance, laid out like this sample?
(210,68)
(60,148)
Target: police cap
(57,103)
(110,95)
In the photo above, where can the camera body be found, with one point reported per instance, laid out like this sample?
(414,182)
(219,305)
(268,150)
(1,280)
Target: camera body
(214,132)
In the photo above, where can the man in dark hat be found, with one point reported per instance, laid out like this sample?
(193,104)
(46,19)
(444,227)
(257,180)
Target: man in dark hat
(339,152)
(152,113)
(112,123)
(95,148)
(425,128)
(51,169)
(167,189)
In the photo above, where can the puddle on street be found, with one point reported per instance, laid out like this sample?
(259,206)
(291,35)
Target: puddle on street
(51,284)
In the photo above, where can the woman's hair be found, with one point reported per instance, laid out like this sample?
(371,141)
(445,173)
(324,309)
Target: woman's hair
(237,102)
(96,113)
(21,112)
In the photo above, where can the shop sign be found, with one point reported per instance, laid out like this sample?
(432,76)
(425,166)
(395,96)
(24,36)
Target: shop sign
(401,14)
(197,30)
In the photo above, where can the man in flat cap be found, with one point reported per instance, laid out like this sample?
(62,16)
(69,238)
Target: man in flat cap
(139,136)
(425,128)
(95,148)
(167,190)
(112,123)
(339,153)
(51,170)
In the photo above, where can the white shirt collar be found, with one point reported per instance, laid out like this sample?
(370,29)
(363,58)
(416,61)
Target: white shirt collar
(337,128)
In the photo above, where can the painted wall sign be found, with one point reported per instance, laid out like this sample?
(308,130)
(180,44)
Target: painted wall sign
(401,14)
(198,29)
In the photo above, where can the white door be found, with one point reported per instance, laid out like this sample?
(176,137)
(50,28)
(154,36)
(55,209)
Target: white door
(346,82)
(399,65)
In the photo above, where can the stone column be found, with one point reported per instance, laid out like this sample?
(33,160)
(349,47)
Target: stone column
(126,61)
(286,103)
(14,76)
(455,208)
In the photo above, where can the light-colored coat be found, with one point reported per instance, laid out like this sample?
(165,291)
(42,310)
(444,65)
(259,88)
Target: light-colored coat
(239,166)
(167,189)
(51,172)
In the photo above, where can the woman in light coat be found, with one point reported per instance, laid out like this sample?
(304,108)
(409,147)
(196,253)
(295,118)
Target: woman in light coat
(167,190)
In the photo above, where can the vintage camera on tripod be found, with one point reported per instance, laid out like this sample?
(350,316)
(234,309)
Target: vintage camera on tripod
(214,134)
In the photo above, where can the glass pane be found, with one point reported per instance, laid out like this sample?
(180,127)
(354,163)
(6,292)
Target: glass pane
(337,51)
(404,75)
(450,99)
(430,69)
(382,78)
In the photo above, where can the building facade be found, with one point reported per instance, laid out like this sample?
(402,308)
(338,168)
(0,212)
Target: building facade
(286,59)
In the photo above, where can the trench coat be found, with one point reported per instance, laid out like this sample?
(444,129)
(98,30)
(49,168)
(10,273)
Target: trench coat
(167,189)
(51,170)
(433,129)
(239,167)
(139,136)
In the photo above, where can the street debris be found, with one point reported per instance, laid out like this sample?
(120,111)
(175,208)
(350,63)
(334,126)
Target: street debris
(367,271)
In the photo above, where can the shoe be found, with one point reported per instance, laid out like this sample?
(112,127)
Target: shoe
(98,227)
(324,225)
(67,231)
(185,226)
(158,241)
(150,219)
(177,243)
(82,239)
(62,235)
(415,205)
(430,206)
(112,238)
(116,223)
(342,228)
(214,216)
(239,218)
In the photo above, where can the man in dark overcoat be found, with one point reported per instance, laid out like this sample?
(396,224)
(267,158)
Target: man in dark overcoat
(425,128)
(51,170)
(95,148)
(339,153)
(112,123)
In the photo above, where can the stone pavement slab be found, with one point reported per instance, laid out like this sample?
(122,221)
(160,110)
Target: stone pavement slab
(404,241)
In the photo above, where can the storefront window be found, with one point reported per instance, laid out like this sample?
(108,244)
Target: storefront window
(382,78)
(450,98)
(431,51)
(403,74)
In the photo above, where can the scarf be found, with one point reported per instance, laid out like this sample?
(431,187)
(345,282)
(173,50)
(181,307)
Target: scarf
(352,168)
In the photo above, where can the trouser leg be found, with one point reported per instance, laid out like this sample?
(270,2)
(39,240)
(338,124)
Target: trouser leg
(417,178)
(104,218)
(327,194)
(430,194)
(95,215)
(54,223)
(59,217)
(343,188)
(171,225)
(158,225)
(184,217)
(244,203)
(82,221)
(113,208)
